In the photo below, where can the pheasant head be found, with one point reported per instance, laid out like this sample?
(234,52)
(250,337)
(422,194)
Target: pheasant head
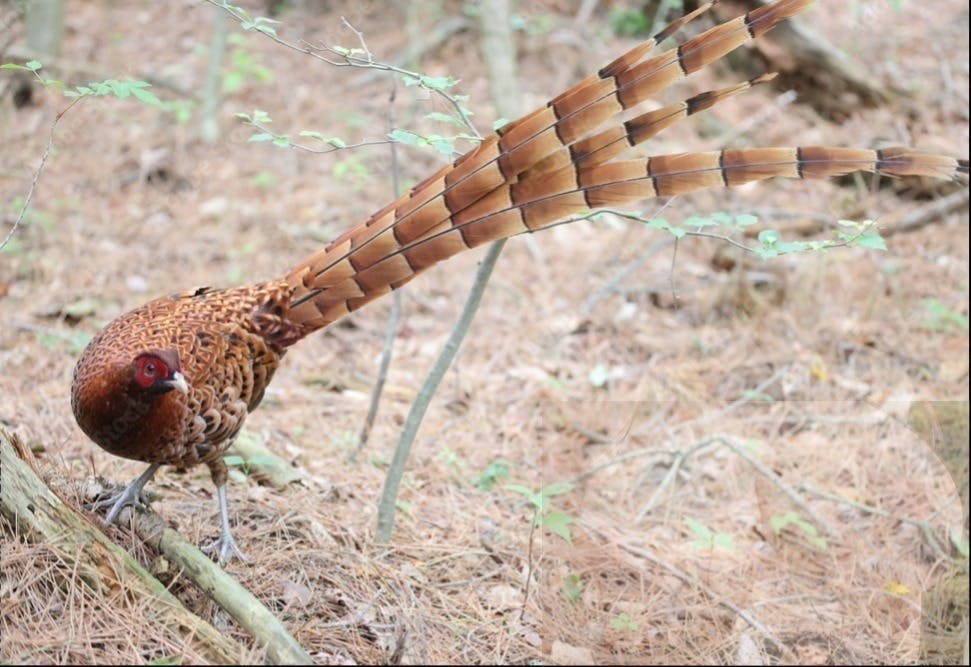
(129,403)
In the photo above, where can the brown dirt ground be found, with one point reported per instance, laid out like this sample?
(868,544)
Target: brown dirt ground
(132,204)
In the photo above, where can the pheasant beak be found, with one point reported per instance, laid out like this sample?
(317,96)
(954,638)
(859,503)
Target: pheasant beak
(177,381)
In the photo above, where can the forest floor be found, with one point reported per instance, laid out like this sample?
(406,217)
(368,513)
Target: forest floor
(735,440)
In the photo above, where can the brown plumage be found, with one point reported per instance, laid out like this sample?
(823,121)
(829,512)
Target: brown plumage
(172,381)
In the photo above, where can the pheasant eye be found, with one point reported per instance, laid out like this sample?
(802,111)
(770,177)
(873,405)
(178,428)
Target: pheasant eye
(149,369)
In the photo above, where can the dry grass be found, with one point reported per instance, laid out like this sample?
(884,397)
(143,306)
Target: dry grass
(841,347)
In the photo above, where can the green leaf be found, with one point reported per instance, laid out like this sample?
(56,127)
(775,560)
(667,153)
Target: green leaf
(817,542)
(261,136)
(557,488)
(437,82)
(724,541)
(699,221)
(761,396)
(779,522)
(768,237)
(495,471)
(146,96)
(706,538)
(525,491)
(661,223)
(405,137)
(443,145)
(571,588)
(623,622)
(444,118)
(938,317)
(701,531)
(871,240)
(960,542)
(558,523)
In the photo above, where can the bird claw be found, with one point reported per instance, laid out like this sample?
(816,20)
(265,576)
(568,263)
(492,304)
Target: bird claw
(130,496)
(127,497)
(225,548)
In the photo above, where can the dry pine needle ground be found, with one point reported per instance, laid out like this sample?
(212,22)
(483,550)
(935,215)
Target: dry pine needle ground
(809,370)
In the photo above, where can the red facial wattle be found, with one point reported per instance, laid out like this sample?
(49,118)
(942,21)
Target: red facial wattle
(149,369)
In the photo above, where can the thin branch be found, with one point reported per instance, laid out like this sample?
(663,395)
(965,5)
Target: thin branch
(386,506)
(529,564)
(787,490)
(680,457)
(680,574)
(40,168)
(922,524)
(343,57)
(392,326)
(611,284)
(935,211)
(317,151)
(747,397)
(495,21)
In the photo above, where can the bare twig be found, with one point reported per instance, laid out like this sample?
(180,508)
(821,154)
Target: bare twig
(680,574)
(746,397)
(925,527)
(498,22)
(74,69)
(611,284)
(443,30)
(39,514)
(343,57)
(935,211)
(393,318)
(228,593)
(529,564)
(680,457)
(789,492)
(386,506)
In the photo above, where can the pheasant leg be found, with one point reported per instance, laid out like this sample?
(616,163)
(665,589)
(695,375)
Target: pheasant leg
(225,546)
(131,495)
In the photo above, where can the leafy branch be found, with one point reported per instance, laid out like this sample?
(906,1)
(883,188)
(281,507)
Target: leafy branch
(260,120)
(850,234)
(360,56)
(120,89)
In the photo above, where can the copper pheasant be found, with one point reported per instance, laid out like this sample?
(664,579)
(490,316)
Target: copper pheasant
(172,381)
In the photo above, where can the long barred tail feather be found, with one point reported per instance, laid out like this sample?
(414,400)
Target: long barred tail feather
(552,163)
